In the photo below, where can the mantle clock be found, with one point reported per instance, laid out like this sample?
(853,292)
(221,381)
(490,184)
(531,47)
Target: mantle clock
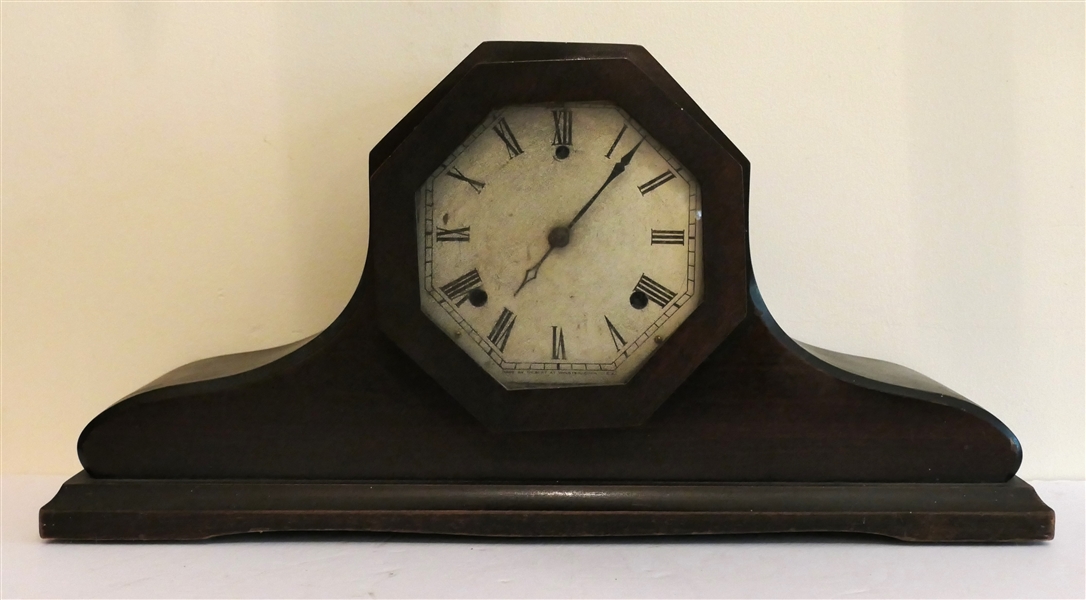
(557,333)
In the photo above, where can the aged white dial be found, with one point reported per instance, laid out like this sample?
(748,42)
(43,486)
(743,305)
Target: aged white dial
(560,245)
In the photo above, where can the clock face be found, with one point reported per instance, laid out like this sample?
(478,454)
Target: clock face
(559,245)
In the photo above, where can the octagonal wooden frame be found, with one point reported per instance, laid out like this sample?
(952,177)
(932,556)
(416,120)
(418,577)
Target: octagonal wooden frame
(499,74)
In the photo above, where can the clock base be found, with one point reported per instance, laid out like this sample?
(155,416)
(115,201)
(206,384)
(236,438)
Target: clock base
(89,509)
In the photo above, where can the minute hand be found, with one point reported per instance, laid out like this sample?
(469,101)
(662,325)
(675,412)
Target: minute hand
(620,166)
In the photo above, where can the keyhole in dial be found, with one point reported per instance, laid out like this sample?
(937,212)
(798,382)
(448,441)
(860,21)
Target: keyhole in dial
(477,297)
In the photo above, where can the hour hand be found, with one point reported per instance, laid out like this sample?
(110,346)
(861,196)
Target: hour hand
(529,275)
(532,271)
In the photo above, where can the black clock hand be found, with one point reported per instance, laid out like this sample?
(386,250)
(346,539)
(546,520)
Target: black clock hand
(533,270)
(620,166)
(563,237)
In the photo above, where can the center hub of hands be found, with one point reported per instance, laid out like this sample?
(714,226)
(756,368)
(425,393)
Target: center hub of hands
(558,237)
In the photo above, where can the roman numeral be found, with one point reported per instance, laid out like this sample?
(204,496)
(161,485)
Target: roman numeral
(656,182)
(620,132)
(502,129)
(499,335)
(656,292)
(475,185)
(616,337)
(668,236)
(461,234)
(563,127)
(457,289)
(558,343)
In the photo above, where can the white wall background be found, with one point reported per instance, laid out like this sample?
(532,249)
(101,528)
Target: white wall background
(182,180)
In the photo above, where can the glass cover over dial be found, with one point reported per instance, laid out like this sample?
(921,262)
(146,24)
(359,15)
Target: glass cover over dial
(559,245)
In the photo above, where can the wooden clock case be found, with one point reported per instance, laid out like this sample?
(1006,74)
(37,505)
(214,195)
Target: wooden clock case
(379,423)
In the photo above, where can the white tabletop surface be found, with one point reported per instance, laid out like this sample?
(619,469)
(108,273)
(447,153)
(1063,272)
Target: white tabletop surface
(387,566)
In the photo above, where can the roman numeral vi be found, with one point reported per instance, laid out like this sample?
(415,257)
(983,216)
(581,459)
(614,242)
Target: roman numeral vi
(558,343)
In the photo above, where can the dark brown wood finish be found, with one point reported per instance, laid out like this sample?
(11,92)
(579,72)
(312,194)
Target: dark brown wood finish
(351,406)
(360,409)
(96,509)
